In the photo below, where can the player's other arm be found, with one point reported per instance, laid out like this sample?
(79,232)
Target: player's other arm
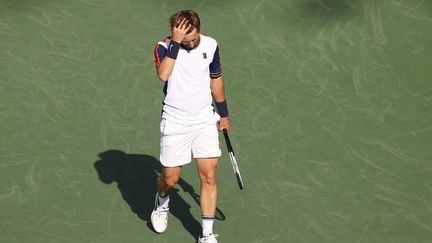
(217,82)
(218,91)
(166,66)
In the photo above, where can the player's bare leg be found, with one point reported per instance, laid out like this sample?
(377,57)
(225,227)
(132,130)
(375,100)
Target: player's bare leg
(165,182)
(208,199)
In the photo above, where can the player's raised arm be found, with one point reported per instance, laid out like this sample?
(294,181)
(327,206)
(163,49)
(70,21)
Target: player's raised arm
(165,67)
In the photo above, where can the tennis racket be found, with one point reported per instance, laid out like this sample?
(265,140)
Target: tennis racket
(233,160)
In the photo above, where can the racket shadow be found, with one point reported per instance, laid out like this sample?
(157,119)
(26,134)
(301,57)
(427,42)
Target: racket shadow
(135,175)
(189,189)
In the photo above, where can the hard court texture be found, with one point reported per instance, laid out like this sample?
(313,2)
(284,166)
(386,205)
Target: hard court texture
(331,112)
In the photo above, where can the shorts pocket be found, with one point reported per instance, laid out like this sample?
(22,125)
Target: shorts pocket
(171,128)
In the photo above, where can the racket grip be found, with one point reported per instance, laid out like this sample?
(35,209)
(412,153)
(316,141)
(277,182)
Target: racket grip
(225,132)
(227,140)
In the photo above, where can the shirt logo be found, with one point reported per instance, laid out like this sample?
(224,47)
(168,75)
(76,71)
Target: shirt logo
(204,55)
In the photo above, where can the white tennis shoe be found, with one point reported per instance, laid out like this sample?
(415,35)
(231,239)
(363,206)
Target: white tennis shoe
(159,217)
(211,238)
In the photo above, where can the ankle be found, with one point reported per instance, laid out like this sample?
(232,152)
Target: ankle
(207,225)
(163,201)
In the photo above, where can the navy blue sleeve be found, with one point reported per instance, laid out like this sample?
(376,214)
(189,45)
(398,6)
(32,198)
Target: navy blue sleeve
(159,53)
(215,65)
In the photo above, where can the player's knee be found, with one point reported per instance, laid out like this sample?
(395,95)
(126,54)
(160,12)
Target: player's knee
(170,181)
(208,178)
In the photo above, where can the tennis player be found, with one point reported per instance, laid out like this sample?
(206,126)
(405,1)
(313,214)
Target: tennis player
(188,64)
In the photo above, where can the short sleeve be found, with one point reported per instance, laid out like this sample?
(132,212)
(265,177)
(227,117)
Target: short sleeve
(215,65)
(159,53)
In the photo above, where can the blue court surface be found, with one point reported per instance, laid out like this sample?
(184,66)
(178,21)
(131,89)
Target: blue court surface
(331,112)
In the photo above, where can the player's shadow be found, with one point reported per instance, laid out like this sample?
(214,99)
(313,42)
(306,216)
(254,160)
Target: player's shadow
(135,175)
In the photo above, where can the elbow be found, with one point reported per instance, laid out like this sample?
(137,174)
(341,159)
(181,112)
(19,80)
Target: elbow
(162,77)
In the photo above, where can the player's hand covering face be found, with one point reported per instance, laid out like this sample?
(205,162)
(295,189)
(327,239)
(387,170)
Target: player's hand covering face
(180,29)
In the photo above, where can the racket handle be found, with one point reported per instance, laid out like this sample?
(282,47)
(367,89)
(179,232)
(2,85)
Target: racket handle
(227,140)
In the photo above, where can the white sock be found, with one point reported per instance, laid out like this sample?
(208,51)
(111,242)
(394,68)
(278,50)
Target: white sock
(163,201)
(207,225)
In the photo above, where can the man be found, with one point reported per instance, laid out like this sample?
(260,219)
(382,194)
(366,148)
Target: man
(188,64)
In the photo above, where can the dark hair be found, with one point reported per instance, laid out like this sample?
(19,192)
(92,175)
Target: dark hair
(191,16)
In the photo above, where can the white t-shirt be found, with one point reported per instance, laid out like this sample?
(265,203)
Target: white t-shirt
(188,98)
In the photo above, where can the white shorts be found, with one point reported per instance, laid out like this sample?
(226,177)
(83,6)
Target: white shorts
(179,142)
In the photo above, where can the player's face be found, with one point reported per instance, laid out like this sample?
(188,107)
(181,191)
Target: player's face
(191,40)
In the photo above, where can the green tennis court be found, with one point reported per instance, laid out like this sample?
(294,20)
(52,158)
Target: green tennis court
(330,104)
